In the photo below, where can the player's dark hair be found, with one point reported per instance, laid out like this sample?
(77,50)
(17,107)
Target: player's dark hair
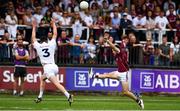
(43,39)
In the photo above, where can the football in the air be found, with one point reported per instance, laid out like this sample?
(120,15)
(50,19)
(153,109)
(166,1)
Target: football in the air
(84,5)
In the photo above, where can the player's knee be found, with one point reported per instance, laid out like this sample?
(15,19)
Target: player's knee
(125,92)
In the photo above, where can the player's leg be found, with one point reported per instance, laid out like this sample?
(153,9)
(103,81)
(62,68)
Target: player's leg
(41,87)
(15,85)
(125,91)
(21,86)
(111,75)
(54,80)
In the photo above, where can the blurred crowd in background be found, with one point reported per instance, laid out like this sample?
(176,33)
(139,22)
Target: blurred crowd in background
(153,27)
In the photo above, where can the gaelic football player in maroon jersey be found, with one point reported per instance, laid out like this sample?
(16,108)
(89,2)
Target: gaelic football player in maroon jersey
(121,57)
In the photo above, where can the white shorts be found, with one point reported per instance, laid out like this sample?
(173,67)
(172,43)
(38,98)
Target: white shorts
(50,70)
(123,76)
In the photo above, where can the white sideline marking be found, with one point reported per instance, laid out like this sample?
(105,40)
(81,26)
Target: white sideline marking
(79,110)
(61,99)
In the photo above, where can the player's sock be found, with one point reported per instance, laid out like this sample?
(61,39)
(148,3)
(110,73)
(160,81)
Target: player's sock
(137,100)
(66,94)
(21,93)
(14,92)
(96,76)
(40,94)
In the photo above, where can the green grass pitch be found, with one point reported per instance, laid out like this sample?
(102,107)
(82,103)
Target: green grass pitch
(59,102)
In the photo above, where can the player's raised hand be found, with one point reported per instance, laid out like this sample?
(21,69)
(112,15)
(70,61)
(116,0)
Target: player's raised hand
(106,38)
(53,20)
(34,23)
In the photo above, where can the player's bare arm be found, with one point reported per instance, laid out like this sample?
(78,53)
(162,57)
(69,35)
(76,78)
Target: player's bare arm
(54,29)
(33,37)
(111,45)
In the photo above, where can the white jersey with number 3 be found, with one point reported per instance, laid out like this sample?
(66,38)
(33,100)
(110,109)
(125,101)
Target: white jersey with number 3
(46,51)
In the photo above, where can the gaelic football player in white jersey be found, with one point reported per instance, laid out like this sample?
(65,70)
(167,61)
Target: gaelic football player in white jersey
(46,50)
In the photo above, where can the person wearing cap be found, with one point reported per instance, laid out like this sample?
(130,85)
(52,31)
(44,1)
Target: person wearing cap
(125,22)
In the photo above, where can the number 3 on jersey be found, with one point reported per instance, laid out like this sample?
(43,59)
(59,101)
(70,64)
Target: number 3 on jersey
(46,52)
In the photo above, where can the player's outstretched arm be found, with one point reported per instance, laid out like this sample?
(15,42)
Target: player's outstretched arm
(54,29)
(33,37)
(112,45)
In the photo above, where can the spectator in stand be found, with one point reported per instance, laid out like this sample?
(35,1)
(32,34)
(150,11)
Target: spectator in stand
(171,10)
(150,25)
(175,52)
(104,10)
(63,4)
(98,2)
(9,7)
(12,20)
(28,17)
(100,51)
(47,17)
(135,50)
(20,10)
(38,16)
(94,11)
(157,11)
(133,11)
(148,51)
(129,17)
(138,23)
(2,27)
(115,12)
(149,5)
(167,4)
(63,48)
(57,14)
(171,16)
(125,23)
(172,21)
(156,57)
(164,52)
(21,58)
(5,51)
(43,24)
(99,26)
(76,51)
(115,23)
(88,19)
(90,51)
(77,23)
(65,20)
(161,23)
(27,20)
(178,10)
(178,28)
(73,6)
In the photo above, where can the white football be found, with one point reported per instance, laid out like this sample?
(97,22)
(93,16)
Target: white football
(84,5)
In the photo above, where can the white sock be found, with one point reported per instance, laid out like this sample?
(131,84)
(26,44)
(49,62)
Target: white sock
(14,92)
(40,94)
(66,94)
(22,92)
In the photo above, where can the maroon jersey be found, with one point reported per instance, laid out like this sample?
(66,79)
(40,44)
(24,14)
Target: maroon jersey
(172,20)
(122,59)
